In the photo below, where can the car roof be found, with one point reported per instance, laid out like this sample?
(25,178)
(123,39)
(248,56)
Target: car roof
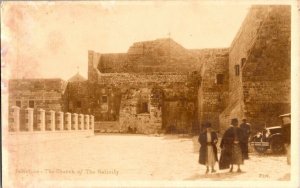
(275,127)
(285,115)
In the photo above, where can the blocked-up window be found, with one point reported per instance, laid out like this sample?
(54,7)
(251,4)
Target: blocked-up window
(143,107)
(104,99)
(237,70)
(18,104)
(31,104)
(219,78)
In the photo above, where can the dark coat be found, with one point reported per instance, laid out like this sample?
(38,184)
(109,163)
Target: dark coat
(226,146)
(203,148)
(246,131)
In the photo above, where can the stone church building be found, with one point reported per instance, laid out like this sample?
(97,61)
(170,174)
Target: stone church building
(160,86)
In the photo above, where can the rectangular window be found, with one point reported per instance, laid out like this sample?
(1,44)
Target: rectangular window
(220,79)
(18,104)
(143,108)
(31,104)
(237,70)
(104,99)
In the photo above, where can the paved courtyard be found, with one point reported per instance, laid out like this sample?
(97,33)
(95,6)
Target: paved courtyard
(129,157)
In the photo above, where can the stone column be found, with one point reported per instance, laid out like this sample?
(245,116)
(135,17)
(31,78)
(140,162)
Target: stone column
(29,119)
(68,122)
(86,122)
(80,121)
(41,119)
(50,120)
(74,121)
(14,119)
(59,117)
(91,122)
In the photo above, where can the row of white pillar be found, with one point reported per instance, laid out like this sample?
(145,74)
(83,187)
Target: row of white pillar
(41,120)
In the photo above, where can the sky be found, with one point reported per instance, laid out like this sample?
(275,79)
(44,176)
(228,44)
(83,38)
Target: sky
(52,39)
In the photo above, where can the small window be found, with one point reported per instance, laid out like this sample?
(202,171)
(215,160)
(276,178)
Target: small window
(78,104)
(237,70)
(104,99)
(220,79)
(143,108)
(31,104)
(243,61)
(18,104)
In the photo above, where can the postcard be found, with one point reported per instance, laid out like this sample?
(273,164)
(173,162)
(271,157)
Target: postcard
(150,93)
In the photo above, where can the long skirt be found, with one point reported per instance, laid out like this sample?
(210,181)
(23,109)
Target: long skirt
(210,160)
(237,155)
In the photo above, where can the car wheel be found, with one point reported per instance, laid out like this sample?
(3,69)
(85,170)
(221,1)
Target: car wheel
(259,149)
(277,146)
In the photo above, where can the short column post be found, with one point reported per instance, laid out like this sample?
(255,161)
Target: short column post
(59,117)
(50,120)
(74,121)
(86,122)
(67,125)
(41,119)
(91,122)
(14,119)
(80,121)
(29,119)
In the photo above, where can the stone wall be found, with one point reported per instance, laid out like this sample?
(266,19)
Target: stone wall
(159,90)
(141,111)
(77,97)
(103,101)
(37,93)
(161,55)
(261,49)
(140,78)
(213,91)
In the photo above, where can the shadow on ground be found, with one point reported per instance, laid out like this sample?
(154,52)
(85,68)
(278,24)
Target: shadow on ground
(219,176)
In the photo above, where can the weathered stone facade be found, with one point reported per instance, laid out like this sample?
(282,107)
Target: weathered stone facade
(37,93)
(213,91)
(160,86)
(259,67)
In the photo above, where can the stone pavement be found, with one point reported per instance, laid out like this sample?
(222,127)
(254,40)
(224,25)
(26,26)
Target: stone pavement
(128,157)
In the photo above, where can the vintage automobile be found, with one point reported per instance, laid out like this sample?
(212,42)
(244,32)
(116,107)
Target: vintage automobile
(277,138)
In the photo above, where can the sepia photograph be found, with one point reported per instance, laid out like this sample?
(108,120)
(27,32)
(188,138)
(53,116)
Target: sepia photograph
(150,93)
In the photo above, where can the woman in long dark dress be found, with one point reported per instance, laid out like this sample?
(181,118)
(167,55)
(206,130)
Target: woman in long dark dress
(231,147)
(208,150)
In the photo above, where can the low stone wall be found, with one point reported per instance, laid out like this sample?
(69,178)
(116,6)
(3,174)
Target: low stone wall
(107,127)
(26,125)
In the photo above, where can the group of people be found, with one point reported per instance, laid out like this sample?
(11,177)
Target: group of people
(234,146)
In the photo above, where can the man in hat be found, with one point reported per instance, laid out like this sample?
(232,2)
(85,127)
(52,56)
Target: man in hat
(208,150)
(231,147)
(246,131)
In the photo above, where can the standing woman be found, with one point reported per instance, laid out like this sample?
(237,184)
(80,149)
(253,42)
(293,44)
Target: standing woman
(208,150)
(231,147)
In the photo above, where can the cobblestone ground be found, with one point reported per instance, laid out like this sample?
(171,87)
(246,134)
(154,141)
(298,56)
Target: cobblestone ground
(129,157)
